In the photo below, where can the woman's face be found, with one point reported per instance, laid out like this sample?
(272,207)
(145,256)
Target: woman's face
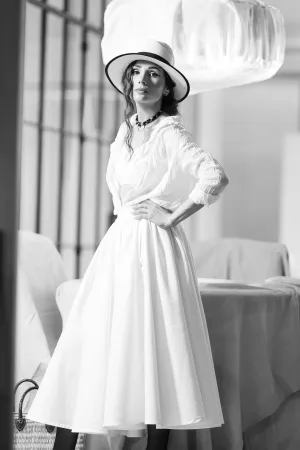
(149,82)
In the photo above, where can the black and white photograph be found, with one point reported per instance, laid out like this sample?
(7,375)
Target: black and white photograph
(150,225)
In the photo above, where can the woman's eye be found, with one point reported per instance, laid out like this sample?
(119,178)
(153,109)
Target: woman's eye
(154,74)
(135,71)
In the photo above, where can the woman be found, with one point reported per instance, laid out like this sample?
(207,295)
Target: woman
(134,357)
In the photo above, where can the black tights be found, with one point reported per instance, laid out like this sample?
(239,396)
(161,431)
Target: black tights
(65,439)
(157,439)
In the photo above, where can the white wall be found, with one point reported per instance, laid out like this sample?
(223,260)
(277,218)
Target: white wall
(289,221)
(256,120)
(245,129)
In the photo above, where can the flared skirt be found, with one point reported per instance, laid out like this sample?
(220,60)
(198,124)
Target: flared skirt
(135,349)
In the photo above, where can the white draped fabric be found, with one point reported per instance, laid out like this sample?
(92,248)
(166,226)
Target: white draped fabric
(216,43)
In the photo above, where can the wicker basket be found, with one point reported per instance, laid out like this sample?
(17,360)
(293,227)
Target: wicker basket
(30,435)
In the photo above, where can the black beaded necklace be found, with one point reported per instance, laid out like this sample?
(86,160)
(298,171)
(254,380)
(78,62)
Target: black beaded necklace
(143,124)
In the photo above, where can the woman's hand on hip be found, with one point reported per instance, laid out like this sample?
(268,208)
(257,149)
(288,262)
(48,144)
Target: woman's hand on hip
(151,211)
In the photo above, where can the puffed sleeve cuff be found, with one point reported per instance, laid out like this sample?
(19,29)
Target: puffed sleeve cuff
(200,197)
(208,190)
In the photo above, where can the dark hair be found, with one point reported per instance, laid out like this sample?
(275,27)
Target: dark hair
(169,104)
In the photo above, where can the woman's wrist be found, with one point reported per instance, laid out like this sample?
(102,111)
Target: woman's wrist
(185,210)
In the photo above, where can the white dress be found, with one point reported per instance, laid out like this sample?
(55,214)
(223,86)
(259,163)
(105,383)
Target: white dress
(135,349)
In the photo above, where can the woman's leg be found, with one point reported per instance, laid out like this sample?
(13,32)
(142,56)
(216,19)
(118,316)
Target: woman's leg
(65,439)
(157,439)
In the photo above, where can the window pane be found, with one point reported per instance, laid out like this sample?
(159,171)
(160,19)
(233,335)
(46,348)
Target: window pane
(52,104)
(69,258)
(49,188)
(72,111)
(93,80)
(95,12)
(56,3)
(70,192)
(89,183)
(110,112)
(29,172)
(32,63)
(75,7)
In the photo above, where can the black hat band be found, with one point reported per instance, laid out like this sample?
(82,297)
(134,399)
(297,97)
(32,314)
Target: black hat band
(155,56)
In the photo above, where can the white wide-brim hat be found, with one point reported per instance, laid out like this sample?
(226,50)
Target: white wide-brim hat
(154,51)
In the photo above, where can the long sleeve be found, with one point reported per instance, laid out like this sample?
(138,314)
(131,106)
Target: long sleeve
(210,177)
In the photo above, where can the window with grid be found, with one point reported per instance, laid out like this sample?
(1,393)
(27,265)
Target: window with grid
(71,115)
